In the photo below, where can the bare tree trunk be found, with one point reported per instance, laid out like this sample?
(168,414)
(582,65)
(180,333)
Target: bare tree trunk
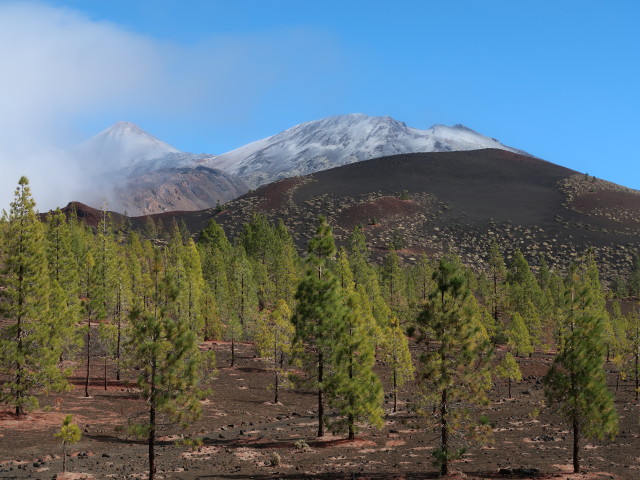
(275,368)
(636,374)
(444,435)
(576,446)
(395,389)
(320,402)
(152,425)
(233,352)
(86,381)
(351,419)
(119,339)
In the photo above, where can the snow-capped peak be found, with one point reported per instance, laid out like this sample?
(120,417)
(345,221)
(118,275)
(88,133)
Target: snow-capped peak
(123,145)
(339,140)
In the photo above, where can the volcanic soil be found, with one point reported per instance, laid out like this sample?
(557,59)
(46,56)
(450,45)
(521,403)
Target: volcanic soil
(245,435)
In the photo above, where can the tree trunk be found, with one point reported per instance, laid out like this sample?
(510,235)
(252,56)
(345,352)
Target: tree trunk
(242,300)
(576,446)
(444,435)
(509,387)
(352,430)
(351,419)
(395,389)
(119,339)
(105,373)
(86,380)
(18,397)
(64,457)
(320,402)
(233,352)
(152,425)
(636,374)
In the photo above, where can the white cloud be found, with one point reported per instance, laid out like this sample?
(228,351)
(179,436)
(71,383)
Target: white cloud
(60,67)
(57,65)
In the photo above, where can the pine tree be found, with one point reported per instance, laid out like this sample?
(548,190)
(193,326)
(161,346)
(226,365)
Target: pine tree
(211,315)
(518,336)
(319,307)
(107,339)
(275,338)
(509,369)
(167,354)
(576,382)
(233,333)
(393,282)
(94,308)
(524,295)
(497,276)
(395,348)
(354,389)
(455,375)
(69,433)
(64,302)
(123,304)
(633,334)
(28,354)
(364,274)
(244,299)
(194,285)
(285,272)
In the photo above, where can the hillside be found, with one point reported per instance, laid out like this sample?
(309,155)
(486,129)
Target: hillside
(452,201)
(459,201)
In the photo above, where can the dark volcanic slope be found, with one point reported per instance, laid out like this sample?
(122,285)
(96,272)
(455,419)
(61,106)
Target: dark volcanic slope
(483,183)
(459,201)
(453,201)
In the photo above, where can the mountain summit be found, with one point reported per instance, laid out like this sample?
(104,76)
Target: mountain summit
(340,140)
(123,145)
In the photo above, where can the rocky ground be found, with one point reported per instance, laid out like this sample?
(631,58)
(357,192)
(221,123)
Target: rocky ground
(245,435)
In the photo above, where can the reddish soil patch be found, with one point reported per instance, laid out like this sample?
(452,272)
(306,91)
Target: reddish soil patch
(275,195)
(603,199)
(381,209)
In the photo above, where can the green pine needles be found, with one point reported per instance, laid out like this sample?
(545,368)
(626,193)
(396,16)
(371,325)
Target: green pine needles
(576,385)
(454,375)
(29,354)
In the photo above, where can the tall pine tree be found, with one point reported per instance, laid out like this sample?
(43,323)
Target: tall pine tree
(29,356)
(576,385)
(455,375)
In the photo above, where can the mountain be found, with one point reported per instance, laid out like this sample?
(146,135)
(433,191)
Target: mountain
(177,189)
(339,140)
(123,146)
(138,173)
(125,160)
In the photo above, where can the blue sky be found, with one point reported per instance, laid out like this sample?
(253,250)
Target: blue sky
(557,79)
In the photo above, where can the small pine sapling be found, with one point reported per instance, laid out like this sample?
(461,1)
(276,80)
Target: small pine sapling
(508,368)
(68,433)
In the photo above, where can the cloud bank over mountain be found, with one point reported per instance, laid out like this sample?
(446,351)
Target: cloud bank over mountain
(65,73)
